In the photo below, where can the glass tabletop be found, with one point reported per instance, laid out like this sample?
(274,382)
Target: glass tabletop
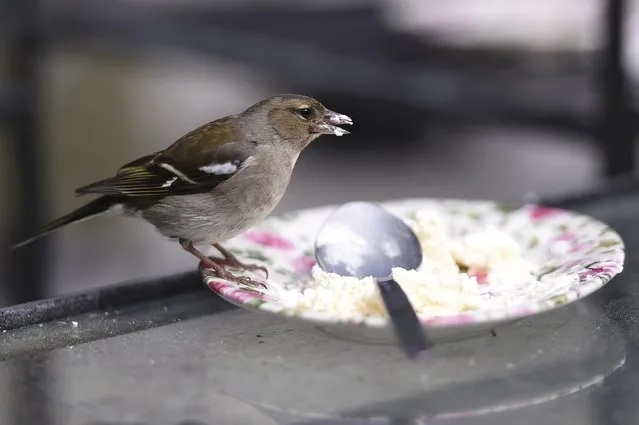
(191,358)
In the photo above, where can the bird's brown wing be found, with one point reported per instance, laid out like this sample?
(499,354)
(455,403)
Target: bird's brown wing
(196,163)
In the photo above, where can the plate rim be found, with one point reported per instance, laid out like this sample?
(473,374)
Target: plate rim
(249,300)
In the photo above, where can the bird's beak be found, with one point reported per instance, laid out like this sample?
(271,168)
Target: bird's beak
(331,121)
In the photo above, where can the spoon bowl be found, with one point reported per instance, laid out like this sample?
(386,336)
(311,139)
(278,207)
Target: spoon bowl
(362,239)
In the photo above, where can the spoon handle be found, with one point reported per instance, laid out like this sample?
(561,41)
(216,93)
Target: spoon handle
(407,326)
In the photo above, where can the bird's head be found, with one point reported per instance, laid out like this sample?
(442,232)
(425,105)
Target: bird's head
(298,119)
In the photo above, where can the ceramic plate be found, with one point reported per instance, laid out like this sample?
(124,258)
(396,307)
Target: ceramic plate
(560,242)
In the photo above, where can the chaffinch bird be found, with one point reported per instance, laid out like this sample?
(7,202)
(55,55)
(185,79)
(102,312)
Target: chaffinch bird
(217,181)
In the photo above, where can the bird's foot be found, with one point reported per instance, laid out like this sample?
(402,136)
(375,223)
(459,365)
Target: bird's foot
(242,280)
(231,260)
(221,272)
(236,264)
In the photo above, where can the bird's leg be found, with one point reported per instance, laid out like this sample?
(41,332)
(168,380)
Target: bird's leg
(232,261)
(220,271)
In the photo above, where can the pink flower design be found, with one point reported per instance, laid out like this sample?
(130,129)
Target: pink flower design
(595,272)
(565,237)
(303,264)
(245,297)
(480,275)
(240,295)
(580,247)
(571,265)
(458,319)
(270,240)
(541,213)
(523,311)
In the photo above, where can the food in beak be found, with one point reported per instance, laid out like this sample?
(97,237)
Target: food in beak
(331,122)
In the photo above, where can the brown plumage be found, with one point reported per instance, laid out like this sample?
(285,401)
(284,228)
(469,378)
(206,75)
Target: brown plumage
(216,181)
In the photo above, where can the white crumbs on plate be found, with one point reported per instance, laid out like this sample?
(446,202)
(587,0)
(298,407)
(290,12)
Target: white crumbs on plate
(435,243)
(481,270)
(488,248)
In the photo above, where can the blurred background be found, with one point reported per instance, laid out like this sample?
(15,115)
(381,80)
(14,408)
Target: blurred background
(492,99)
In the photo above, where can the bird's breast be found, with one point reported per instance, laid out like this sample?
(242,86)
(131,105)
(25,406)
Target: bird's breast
(233,207)
(260,185)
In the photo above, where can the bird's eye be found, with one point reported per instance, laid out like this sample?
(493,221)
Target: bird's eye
(305,113)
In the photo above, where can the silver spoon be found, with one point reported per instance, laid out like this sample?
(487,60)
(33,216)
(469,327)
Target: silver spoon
(362,239)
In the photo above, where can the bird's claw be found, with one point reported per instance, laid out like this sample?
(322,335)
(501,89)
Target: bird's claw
(242,280)
(251,267)
(234,263)
(247,281)
(222,273)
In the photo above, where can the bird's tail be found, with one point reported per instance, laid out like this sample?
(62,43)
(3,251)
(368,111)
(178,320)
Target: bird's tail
(94,207)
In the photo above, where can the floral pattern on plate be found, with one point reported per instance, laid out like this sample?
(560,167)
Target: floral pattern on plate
(560,242)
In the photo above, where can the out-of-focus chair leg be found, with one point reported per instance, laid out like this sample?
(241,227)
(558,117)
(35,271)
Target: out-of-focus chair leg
(617,130)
